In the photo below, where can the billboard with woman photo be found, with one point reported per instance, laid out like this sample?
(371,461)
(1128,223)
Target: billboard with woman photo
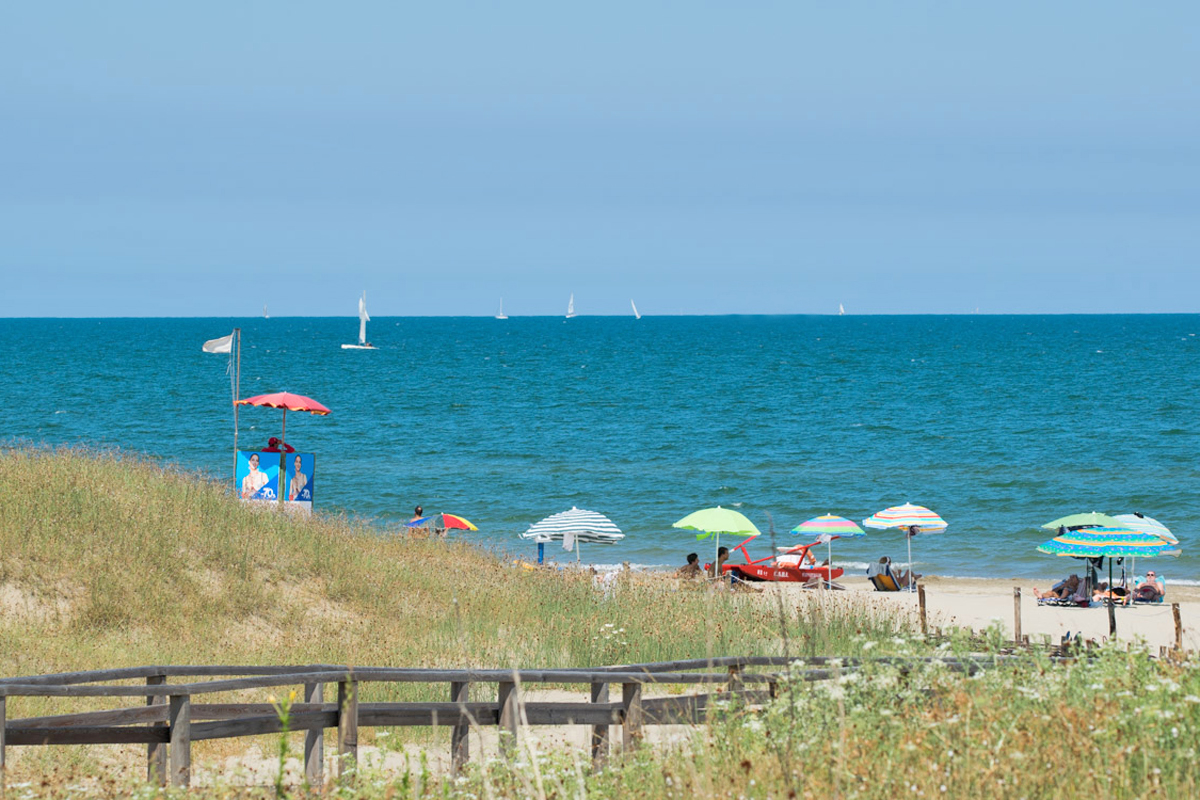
(257,476)
(300,470)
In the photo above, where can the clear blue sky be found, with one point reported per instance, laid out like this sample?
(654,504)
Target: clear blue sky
(171,159)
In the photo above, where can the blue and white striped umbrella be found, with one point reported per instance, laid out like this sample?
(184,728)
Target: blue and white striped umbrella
(586,526)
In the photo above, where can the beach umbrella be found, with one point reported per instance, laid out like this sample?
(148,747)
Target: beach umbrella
(1110,542)
(449,522)
(715,521)
(1140,522)
(580,524)
(826,528)
(908,517)
(1093,519)
(288,402)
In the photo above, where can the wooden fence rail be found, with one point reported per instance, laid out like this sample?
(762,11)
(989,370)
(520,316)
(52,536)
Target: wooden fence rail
(173,714)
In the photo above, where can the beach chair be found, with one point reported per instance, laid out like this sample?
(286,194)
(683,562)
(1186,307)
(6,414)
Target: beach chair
(885,582)
(1138,581)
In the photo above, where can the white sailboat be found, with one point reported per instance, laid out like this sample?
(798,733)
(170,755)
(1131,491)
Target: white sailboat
(363,319)
(265,314)
(841,310)
(571,306)
(636,315)
(500,314)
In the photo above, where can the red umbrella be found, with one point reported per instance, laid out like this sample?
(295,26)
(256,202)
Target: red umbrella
(288,402)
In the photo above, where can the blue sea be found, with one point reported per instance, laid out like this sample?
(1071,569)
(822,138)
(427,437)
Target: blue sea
(998,423)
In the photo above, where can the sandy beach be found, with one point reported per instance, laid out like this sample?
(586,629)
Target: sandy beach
(979,603)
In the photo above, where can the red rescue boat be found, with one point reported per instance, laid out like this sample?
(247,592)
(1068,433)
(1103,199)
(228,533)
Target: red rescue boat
(793,565)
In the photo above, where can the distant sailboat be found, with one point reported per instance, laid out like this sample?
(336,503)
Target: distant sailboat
(571,306)
(500,314)
(636,315)
(265,314)
(841,310)
(363,319)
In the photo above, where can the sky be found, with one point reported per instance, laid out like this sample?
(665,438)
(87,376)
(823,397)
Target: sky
(171,159)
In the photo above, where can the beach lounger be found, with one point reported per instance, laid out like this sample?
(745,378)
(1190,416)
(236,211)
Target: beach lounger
(1065,602)
(1162,598)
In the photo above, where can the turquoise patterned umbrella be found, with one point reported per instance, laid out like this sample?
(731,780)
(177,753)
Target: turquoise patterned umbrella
(1111,542)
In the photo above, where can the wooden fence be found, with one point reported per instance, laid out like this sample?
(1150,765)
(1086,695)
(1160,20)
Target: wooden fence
(174,715)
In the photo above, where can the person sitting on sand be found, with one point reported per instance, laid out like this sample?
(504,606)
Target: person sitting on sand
(714,570)
(1150,590)
(691,569)
(1062,590)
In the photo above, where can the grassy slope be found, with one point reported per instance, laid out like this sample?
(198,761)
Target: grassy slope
(108,561)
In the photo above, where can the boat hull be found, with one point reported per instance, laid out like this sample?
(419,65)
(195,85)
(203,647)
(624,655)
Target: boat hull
(359,347)
(785,573)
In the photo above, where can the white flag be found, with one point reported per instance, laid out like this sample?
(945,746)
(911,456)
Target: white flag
(222,345)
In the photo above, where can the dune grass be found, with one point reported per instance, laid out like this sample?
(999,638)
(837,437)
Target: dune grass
(111,560)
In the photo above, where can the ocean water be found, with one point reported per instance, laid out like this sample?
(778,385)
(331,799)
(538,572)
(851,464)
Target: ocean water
(998,423)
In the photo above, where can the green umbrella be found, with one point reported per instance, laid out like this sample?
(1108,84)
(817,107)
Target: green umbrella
(717,520)
(1092,520)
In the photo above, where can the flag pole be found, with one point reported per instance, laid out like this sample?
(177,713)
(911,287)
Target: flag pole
(237,389)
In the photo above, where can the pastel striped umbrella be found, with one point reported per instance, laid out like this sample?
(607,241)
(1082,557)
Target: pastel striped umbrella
(907,516)
(1140,522)
(582,525)
(826,528)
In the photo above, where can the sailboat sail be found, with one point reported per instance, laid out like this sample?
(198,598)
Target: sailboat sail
(500,314)
(363,319)
(571,306)
(841,309)
(636,315)
(265,314)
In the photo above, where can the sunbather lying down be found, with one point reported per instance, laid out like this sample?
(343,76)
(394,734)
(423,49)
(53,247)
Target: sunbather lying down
(1118,594)
(1062,590)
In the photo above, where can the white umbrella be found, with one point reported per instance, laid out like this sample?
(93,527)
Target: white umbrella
(580,524)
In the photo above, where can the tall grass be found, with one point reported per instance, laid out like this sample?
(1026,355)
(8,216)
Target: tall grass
(108,560)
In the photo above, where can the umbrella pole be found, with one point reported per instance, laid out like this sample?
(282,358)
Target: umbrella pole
(282,457)
(829,566)
(1112,613)
(909,539)
(577,559)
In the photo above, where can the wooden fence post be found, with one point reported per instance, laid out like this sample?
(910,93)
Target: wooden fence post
(1017,614)
(3,723)
(179,716)
(1178,627)
(347,726)
(156,752)
(631,730)
(600,739)
(921,604)
(460,740)
(735,679)
(509,717)
(314,740)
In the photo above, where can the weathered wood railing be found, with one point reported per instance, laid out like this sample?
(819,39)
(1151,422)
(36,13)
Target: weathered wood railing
(171,719)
